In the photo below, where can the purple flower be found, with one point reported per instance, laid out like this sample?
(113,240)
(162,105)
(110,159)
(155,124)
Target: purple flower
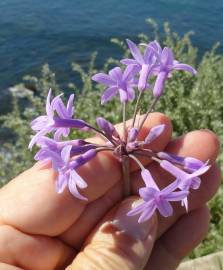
(60,123)
(84,158)
(67,176)
(143,62)
(50,145)
(188,163)
(132,134)
(186,180)
(118,82)
(154,133)
(154,198)
(107,127)
(166,64)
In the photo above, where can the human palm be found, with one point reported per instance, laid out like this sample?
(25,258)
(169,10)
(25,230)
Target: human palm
(40,229)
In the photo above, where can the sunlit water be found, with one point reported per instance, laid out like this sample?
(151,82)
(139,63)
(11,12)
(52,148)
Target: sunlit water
(59,32)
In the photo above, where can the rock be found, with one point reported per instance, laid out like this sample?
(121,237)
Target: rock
(6,97)
(210,262)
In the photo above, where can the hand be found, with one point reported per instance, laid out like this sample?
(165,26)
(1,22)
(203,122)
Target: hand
(43,230)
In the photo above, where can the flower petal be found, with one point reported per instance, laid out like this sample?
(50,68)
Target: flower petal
(147,193)
(130,93)
(135,51)
(176,196)
(58,105)
(132,134)
(39,123)
(49,110)
(185,67)
(108,94)
(193,164)
(123,95)
(137,210)
(65,153)
(165,208)
(144,75)
(148,179)
(116,74)
(104,79)
(167,57)
(70,107)
(148,212)
(175,171)
(185,203)
(195,183)
(129,62)
(106,126)
(200,171)
(37,136)
(171,187)
(154,133)
(160,84)
(129,72)
(61,182)
(171,157)
(72,185)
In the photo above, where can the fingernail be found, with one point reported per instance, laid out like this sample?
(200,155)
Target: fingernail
(130,225)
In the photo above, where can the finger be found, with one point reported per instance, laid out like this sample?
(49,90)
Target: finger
(192,144)
(93,213)
(127,245)
(33,252)
(38,204)
(179,240)
(4,266)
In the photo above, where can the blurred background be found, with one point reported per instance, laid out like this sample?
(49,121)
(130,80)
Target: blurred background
(60,32)
(53,44)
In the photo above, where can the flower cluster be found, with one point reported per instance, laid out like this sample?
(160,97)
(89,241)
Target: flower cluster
(149,69)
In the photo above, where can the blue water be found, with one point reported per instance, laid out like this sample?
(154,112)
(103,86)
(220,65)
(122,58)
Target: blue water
(58,32)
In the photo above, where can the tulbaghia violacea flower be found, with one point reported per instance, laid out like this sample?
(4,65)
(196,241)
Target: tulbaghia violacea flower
(187,181)
(67,176)
(118,82)
(155,61)
(67,156)
(154,198)
(59,123)
(166,64)
(49,146)
(188,163)
(153,134)
(107,127)
(144,63)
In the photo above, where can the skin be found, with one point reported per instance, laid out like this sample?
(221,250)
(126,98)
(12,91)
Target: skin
(43,230)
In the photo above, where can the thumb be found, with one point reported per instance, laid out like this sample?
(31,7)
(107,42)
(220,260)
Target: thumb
(118,242)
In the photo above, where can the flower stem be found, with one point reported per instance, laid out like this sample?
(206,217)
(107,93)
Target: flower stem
(137,161)
(101,133)
(124,120)
(148,112)
(126,175)
(136,108)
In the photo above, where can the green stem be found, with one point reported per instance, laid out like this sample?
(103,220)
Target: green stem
(137,161)
(136,108)
(124,120)
(126,176)
(148,112)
